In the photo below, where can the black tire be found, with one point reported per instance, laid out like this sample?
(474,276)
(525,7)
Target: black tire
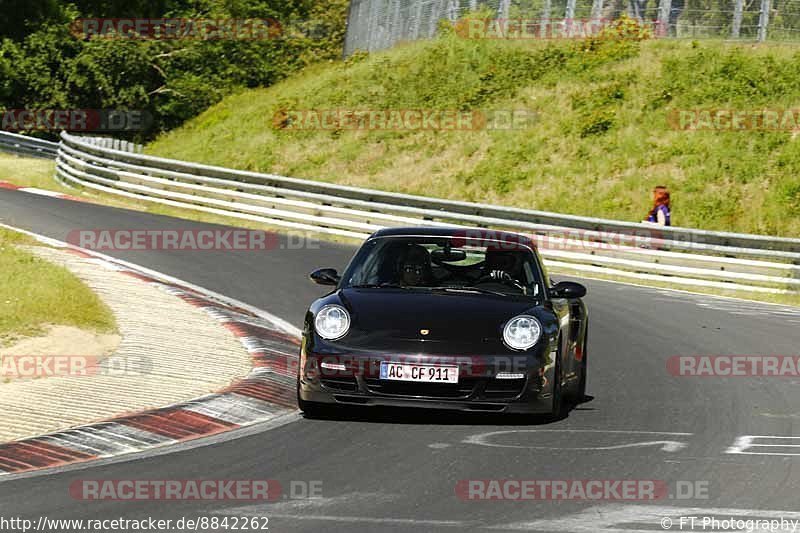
(558,394)
(580,393)
(311,409)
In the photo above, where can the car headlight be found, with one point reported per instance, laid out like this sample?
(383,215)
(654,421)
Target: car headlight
(332,322)
(522,332)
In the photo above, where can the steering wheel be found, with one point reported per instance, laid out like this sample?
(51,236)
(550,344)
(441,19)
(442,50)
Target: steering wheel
(501,276)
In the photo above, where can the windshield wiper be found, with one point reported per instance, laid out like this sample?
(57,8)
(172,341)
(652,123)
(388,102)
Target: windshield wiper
(377,286)
(468,289)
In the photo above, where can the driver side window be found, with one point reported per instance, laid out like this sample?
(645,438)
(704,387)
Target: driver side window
(530,279)
(543,270)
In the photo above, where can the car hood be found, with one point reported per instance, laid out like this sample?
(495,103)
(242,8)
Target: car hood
(394,320)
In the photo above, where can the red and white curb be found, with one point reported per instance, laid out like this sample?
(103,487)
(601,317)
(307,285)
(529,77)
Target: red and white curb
(40,192)
(267,392)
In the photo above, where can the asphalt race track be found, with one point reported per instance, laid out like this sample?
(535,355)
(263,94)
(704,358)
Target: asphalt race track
(397,471)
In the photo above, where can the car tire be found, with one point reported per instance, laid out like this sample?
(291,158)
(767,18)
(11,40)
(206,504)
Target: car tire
(311,409)
(580,393)
(557,411)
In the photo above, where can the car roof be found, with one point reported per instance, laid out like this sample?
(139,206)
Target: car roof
(455,231)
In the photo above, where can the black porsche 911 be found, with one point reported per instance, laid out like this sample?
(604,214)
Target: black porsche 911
(444,318)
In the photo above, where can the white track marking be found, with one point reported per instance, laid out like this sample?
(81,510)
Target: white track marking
(748,442)
(483,439)
(626,518)
(168,448)
(233,408)
(382,521)
(41,192)
(304,509)
(613,518)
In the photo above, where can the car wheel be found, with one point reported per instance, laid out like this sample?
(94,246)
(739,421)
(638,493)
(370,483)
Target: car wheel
(580,393)
(311,409)
(558,395)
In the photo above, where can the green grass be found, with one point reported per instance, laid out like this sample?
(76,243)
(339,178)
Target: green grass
(35,293)
(601,141)
(29,172)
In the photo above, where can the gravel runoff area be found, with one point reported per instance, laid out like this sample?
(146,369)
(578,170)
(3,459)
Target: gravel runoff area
(170,351)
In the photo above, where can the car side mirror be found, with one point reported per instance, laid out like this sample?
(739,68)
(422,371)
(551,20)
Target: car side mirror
(567,289)
(325,276)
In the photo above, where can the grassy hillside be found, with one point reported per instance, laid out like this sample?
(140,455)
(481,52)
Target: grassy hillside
(600,142)
(35,293)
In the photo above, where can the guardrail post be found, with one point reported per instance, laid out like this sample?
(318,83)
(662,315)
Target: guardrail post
(738,8)
(503,9)
(452,10)
(546,8)
(400,23)
(663,17)
(569,13)
(597,9)
(371,23)
(392,20)
(362,24)
(418,20)
(438,8)
(763,21)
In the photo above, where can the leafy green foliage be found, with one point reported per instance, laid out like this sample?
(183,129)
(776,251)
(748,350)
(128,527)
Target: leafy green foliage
(597,108)
(44,66)
(706,75)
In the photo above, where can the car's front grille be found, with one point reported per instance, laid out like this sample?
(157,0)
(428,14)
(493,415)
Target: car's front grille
(503,389)
(462,389)
(344,383)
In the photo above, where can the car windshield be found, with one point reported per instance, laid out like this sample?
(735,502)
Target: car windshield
(445,264)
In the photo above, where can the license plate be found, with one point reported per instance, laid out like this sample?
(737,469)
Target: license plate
(419,373)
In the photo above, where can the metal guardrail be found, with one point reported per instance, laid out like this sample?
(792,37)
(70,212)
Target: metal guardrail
(111,142)
(25,145)
(678,256)
(473,213)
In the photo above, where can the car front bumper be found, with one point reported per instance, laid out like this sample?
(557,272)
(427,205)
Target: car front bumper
(356,381)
